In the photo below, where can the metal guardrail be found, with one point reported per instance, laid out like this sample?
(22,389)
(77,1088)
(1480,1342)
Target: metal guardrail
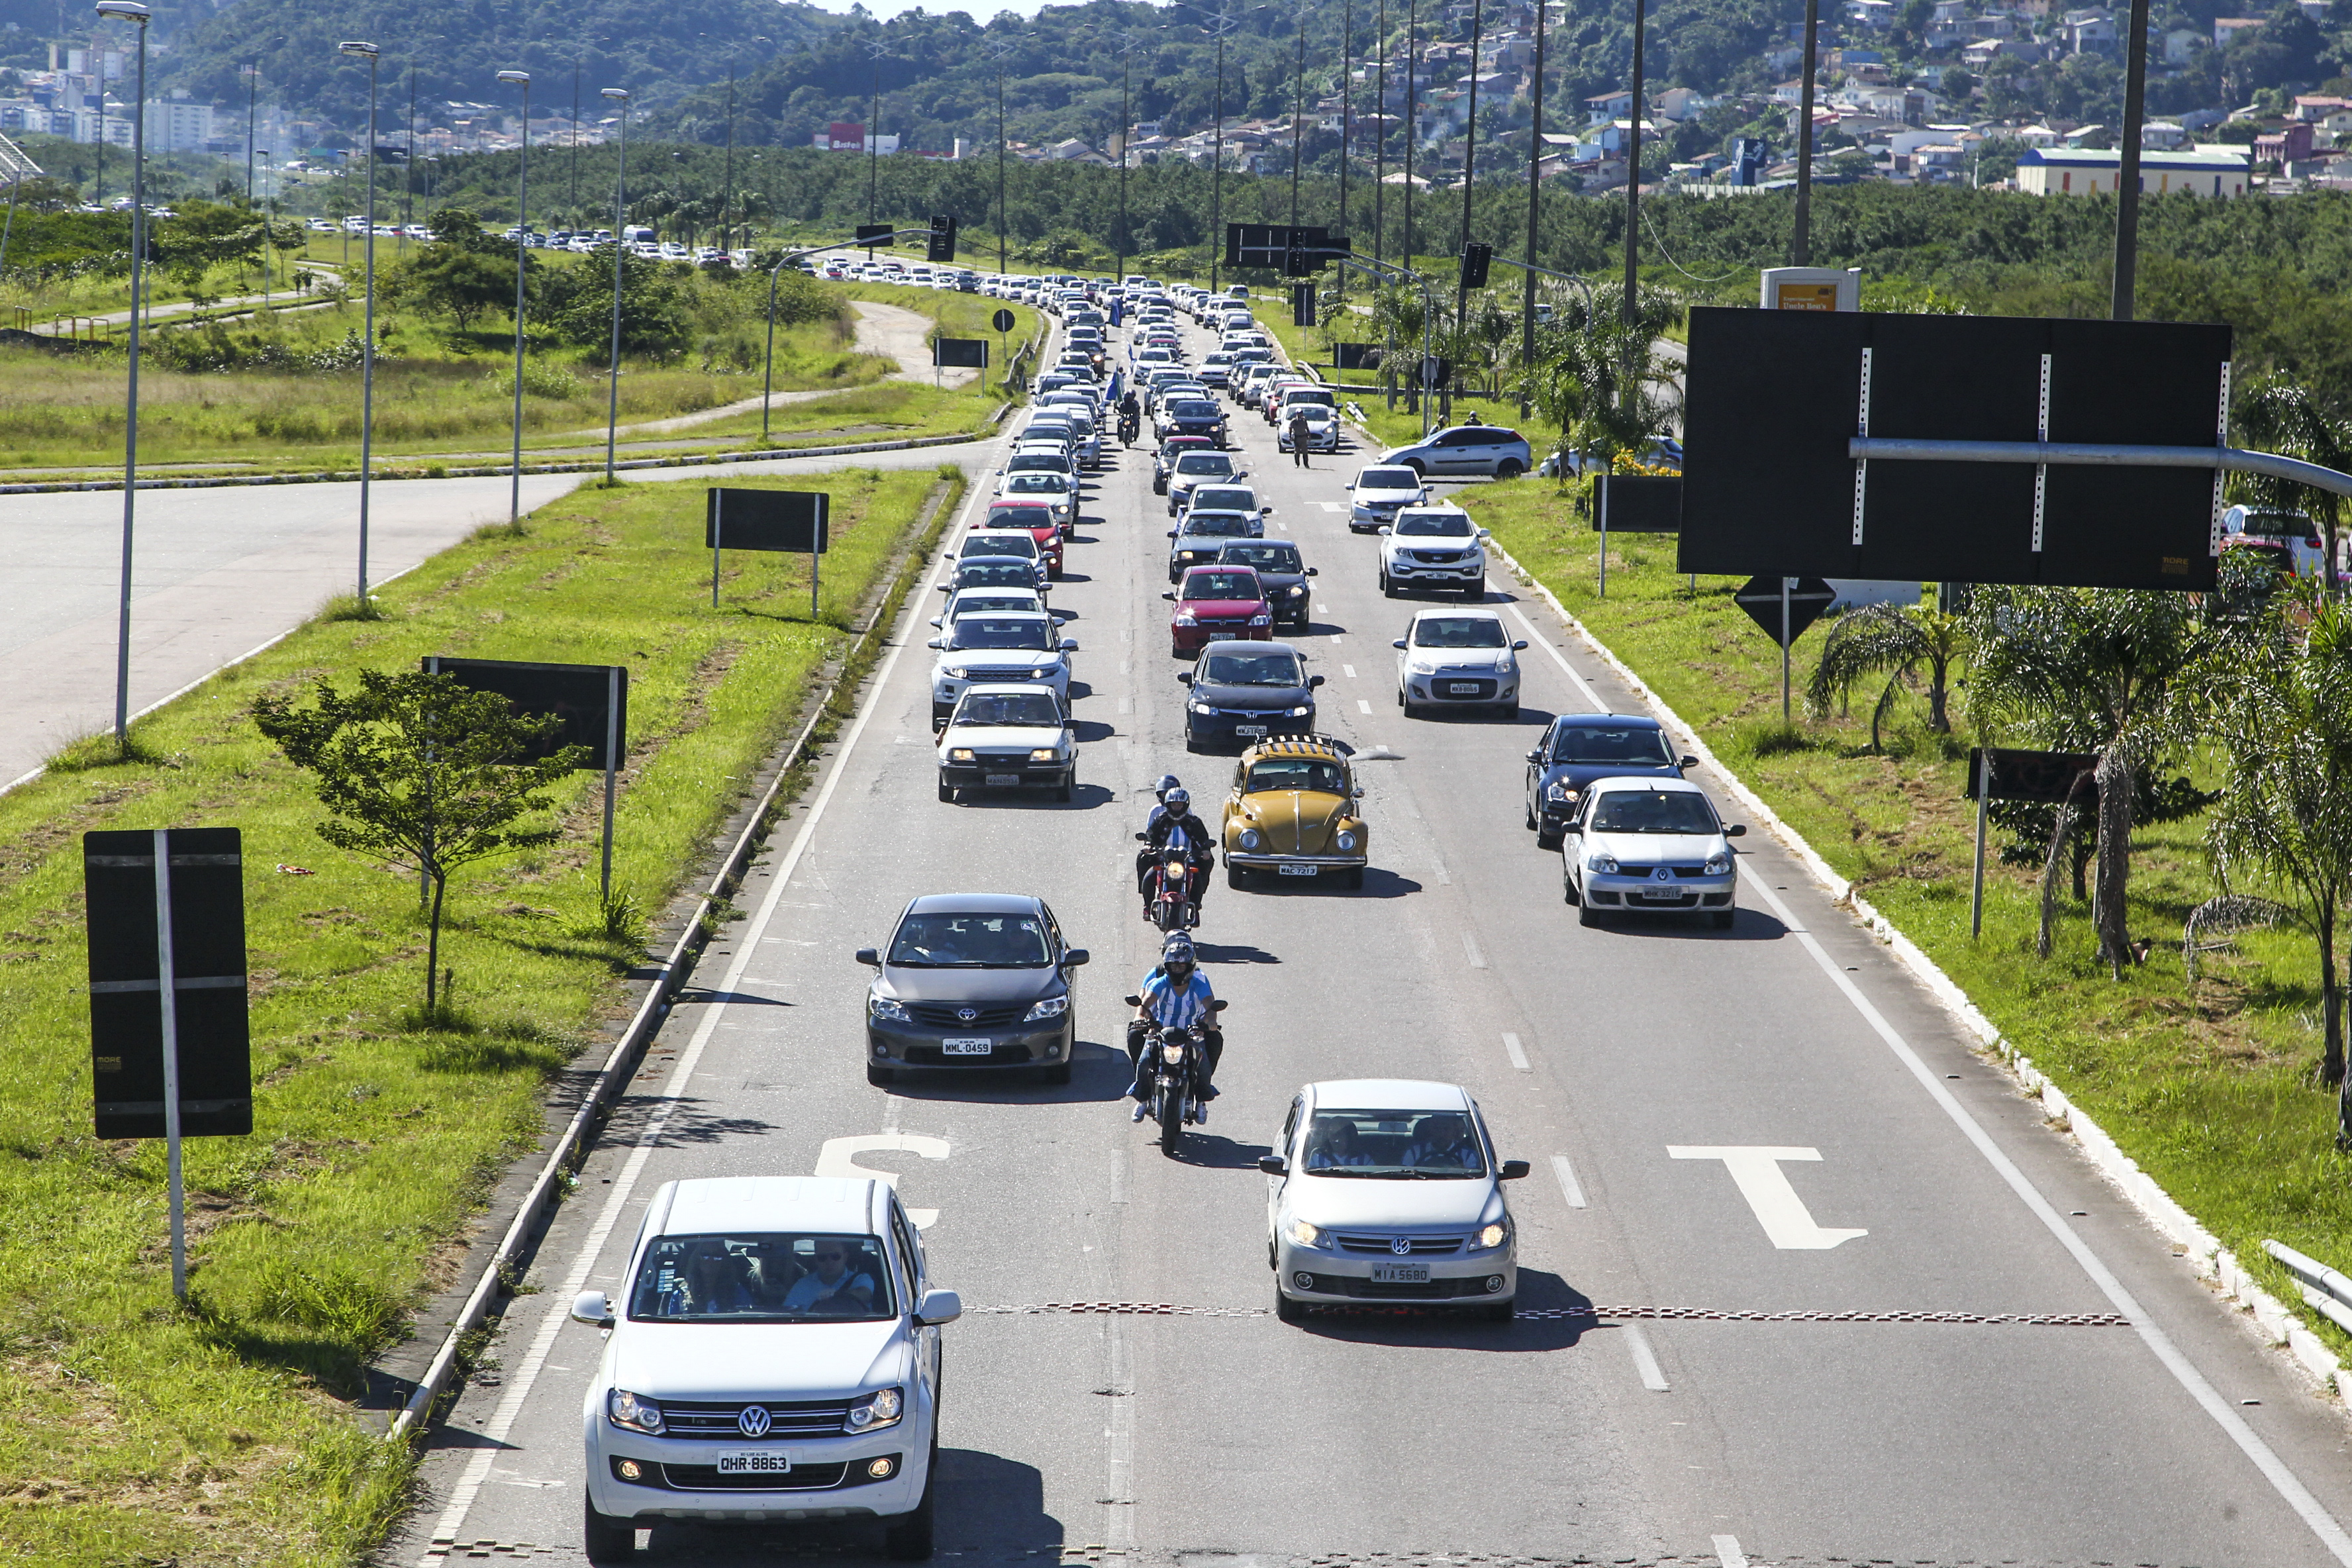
(2327,1291)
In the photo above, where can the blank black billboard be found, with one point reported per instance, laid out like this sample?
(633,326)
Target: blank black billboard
(1640,503)
(971,353)
(1773,396)
(792,521)
(579,694)
(126,1013)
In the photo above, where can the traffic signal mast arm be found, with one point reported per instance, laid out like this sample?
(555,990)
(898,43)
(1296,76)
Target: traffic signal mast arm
(768,374)
(2097,454)
(1378,270)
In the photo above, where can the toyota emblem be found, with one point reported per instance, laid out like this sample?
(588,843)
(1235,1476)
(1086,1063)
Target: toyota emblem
(1400,1245)
(966,1015)
(754,1421)
(1663,875)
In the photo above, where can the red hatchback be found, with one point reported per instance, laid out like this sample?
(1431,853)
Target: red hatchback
(1038,521)
(1214,604)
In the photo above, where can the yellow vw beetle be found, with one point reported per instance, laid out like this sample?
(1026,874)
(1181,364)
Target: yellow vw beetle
(1293,812)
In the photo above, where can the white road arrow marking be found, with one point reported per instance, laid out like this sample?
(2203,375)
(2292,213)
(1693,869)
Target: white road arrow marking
(1779,1209)
(839,1158)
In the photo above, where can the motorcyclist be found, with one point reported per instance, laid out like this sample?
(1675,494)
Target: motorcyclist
(1130,418)
(1176,995)
(1174,825)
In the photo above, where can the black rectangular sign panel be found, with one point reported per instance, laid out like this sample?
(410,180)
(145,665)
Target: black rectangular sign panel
(1355,356)
(2044,777)
(1295,251)
(969,354)
(579,694)
(1772,397)
(873,234)
(126,1013)
(792,521)
(1640,503)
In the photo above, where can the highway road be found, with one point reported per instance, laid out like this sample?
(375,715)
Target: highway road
(1705,1369)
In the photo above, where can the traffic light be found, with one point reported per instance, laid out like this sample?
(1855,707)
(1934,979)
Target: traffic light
(1302,304)
(942,246)
(1475,259)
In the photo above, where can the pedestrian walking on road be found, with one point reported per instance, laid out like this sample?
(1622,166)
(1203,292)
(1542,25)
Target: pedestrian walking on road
(1298,438)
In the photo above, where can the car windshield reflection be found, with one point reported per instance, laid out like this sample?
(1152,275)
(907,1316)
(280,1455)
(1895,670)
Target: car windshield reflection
(1652,811)
(1393,1145)
(762,1278)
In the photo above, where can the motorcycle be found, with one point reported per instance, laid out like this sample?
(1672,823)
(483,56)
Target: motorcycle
(1170,1071)
(1129,427)
(1174,891)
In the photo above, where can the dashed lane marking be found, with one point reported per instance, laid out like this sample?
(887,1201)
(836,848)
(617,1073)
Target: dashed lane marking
(1594,1314)
(1645,1360)
(1363,706)
(1516,1052)
(1569,1188)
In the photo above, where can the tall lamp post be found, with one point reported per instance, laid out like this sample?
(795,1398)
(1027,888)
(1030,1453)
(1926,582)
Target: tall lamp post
(1221,22)
(876,50)
(998,52)
(1535,177)
(131,11)
(368,52)
(618,95)
(522,250)
(252,74)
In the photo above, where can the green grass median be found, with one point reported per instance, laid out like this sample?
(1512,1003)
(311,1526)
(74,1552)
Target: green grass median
(2209,1087)
(135,1432)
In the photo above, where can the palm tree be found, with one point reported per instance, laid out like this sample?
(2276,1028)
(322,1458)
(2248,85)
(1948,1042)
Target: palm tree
(1893,641)
(2284,715)
(2106,663)
(2277,416)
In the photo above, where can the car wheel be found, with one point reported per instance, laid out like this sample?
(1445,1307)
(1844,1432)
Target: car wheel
(1388,586)
(1273,1258)
(1192,742)
(1069,786)
(1059,1073)
(1585,917)
(1546,840)
(1235,876)
(1508,713)
(603,1538)
(907,1538)
(1414,464)
(1355,878)
(1286,1309)
(1509,468)
(1723,919)
(1499,1311)
(1175,649)
(947,791)
(876,1075)
(1530,812)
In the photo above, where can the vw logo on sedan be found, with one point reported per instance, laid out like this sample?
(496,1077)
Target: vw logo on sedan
(754,1421)
(1400,1245)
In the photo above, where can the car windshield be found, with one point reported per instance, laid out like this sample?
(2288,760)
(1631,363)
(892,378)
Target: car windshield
(1652,811)
(1031,634)
(982,603)
(2278,525)
(1578,744)
(1434,524)
(1395,1145)
(1030,709)
(1388,480)
(1316,399)
(1252,670)
(1035,484)
(1020,517)
(1222,586)
(951,941)
(1048,462)
(1217,524)
(1224,498)
(1264,557)
(1319,774)
(763,1277)
(1459,631)
(1019,544)
(991,572)
(1204,463)
(1192,408)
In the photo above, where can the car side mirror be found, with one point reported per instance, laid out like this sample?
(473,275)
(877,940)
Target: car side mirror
(870,957)
(1274,1165)
(937,642)
(1171,597)
(1399,643)
(1313,681)
(1687,762)
(1383,528)
(946,588)
(1183,678)
(1514,1169)
(1535,756)
(1520,646)
(1076,958)
(1737,830)
(937,1307)
(1485,533)
(1069,645)
(1311,572)
(1171,533)
(593,1306)
(1573,826)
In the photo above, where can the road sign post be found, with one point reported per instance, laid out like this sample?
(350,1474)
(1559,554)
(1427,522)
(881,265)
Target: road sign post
(2044,778)
(1782,607)
(180,940)
(1003,321)
(593,701)
(792,521)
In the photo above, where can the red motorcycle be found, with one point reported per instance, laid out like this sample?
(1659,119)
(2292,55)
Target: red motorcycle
(1171,889)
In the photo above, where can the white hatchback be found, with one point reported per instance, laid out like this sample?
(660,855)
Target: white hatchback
(775,1356)
(1648,846)
(1388,1190)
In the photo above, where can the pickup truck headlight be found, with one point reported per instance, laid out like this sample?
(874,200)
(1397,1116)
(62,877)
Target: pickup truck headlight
(1305,1234)
(1718,864)
(1604,864)
(1051,1007)
(881,1410)
(633,1412)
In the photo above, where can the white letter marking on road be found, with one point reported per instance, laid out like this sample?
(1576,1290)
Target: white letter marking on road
(1765,1185)
(839,1158)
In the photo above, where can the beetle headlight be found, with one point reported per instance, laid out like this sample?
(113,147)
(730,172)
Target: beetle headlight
(1604,864)
(1250,838)
(1718,863)
(1345,840)
(635,1412)
(882,1410)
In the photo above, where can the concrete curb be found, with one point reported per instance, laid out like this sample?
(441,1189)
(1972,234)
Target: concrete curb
(620,1066)
(2275,1322)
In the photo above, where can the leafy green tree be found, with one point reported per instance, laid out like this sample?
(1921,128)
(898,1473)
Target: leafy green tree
(577,301)
(2102,663)
(1895,641)
(2281,415)
(2281,711)
(414,767)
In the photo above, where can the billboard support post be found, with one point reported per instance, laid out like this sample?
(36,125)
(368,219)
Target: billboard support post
(1786,584)
(1984,795)
(165,984)
(612,770)
(1602,486)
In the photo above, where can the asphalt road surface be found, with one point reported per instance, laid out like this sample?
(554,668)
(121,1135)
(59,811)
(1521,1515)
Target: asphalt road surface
(1674,1421)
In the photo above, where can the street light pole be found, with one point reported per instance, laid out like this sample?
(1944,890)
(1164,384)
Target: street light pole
(619,95)
(1298,112)
(1000,52)
(1412,116)
(252,74)
(130,11)
(1534,176)
(370,53)
(875,50)
(522,248)
(1379,128)
(1800,241)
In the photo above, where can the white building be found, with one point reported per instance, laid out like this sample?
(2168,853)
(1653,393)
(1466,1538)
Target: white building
(2091,171)
(178,126)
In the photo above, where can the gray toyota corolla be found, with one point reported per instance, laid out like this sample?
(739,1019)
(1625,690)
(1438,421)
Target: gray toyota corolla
(972,980)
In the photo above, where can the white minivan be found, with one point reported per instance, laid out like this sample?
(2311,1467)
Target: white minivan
(774,1357)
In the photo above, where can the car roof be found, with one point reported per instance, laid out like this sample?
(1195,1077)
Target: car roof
(1006,689)
(1257,541)
(1253,649)
(1023,614)
(1390,1094)
(976,903)
(1430,506)
(1297,746)
(1608,720)
(1669,785)
(706,1204)
(1453,612)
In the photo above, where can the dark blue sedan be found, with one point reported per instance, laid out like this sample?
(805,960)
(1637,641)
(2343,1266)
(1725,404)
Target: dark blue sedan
(1577,749)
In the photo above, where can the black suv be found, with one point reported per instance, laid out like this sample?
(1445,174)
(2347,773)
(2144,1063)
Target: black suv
(1279,568)
(1579,748)
(972,980)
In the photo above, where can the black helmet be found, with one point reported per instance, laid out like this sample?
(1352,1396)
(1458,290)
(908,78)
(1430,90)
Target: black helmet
(1167,782)
(1177,950)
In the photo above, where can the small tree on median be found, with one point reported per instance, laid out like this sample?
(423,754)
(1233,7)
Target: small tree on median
(416,768)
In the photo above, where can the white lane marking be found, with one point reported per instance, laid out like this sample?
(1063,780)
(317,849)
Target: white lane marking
(1535,634)
(1728,1553)
(1338,506)
(1363,706)
(1568,1187)
(839,1158)
(518,1392)
(2283,1480)
(1757,1173)
(1470,947)
(1518,1053)
(1350,669)
(1646,1360)
(1127,705)
(1324,610)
